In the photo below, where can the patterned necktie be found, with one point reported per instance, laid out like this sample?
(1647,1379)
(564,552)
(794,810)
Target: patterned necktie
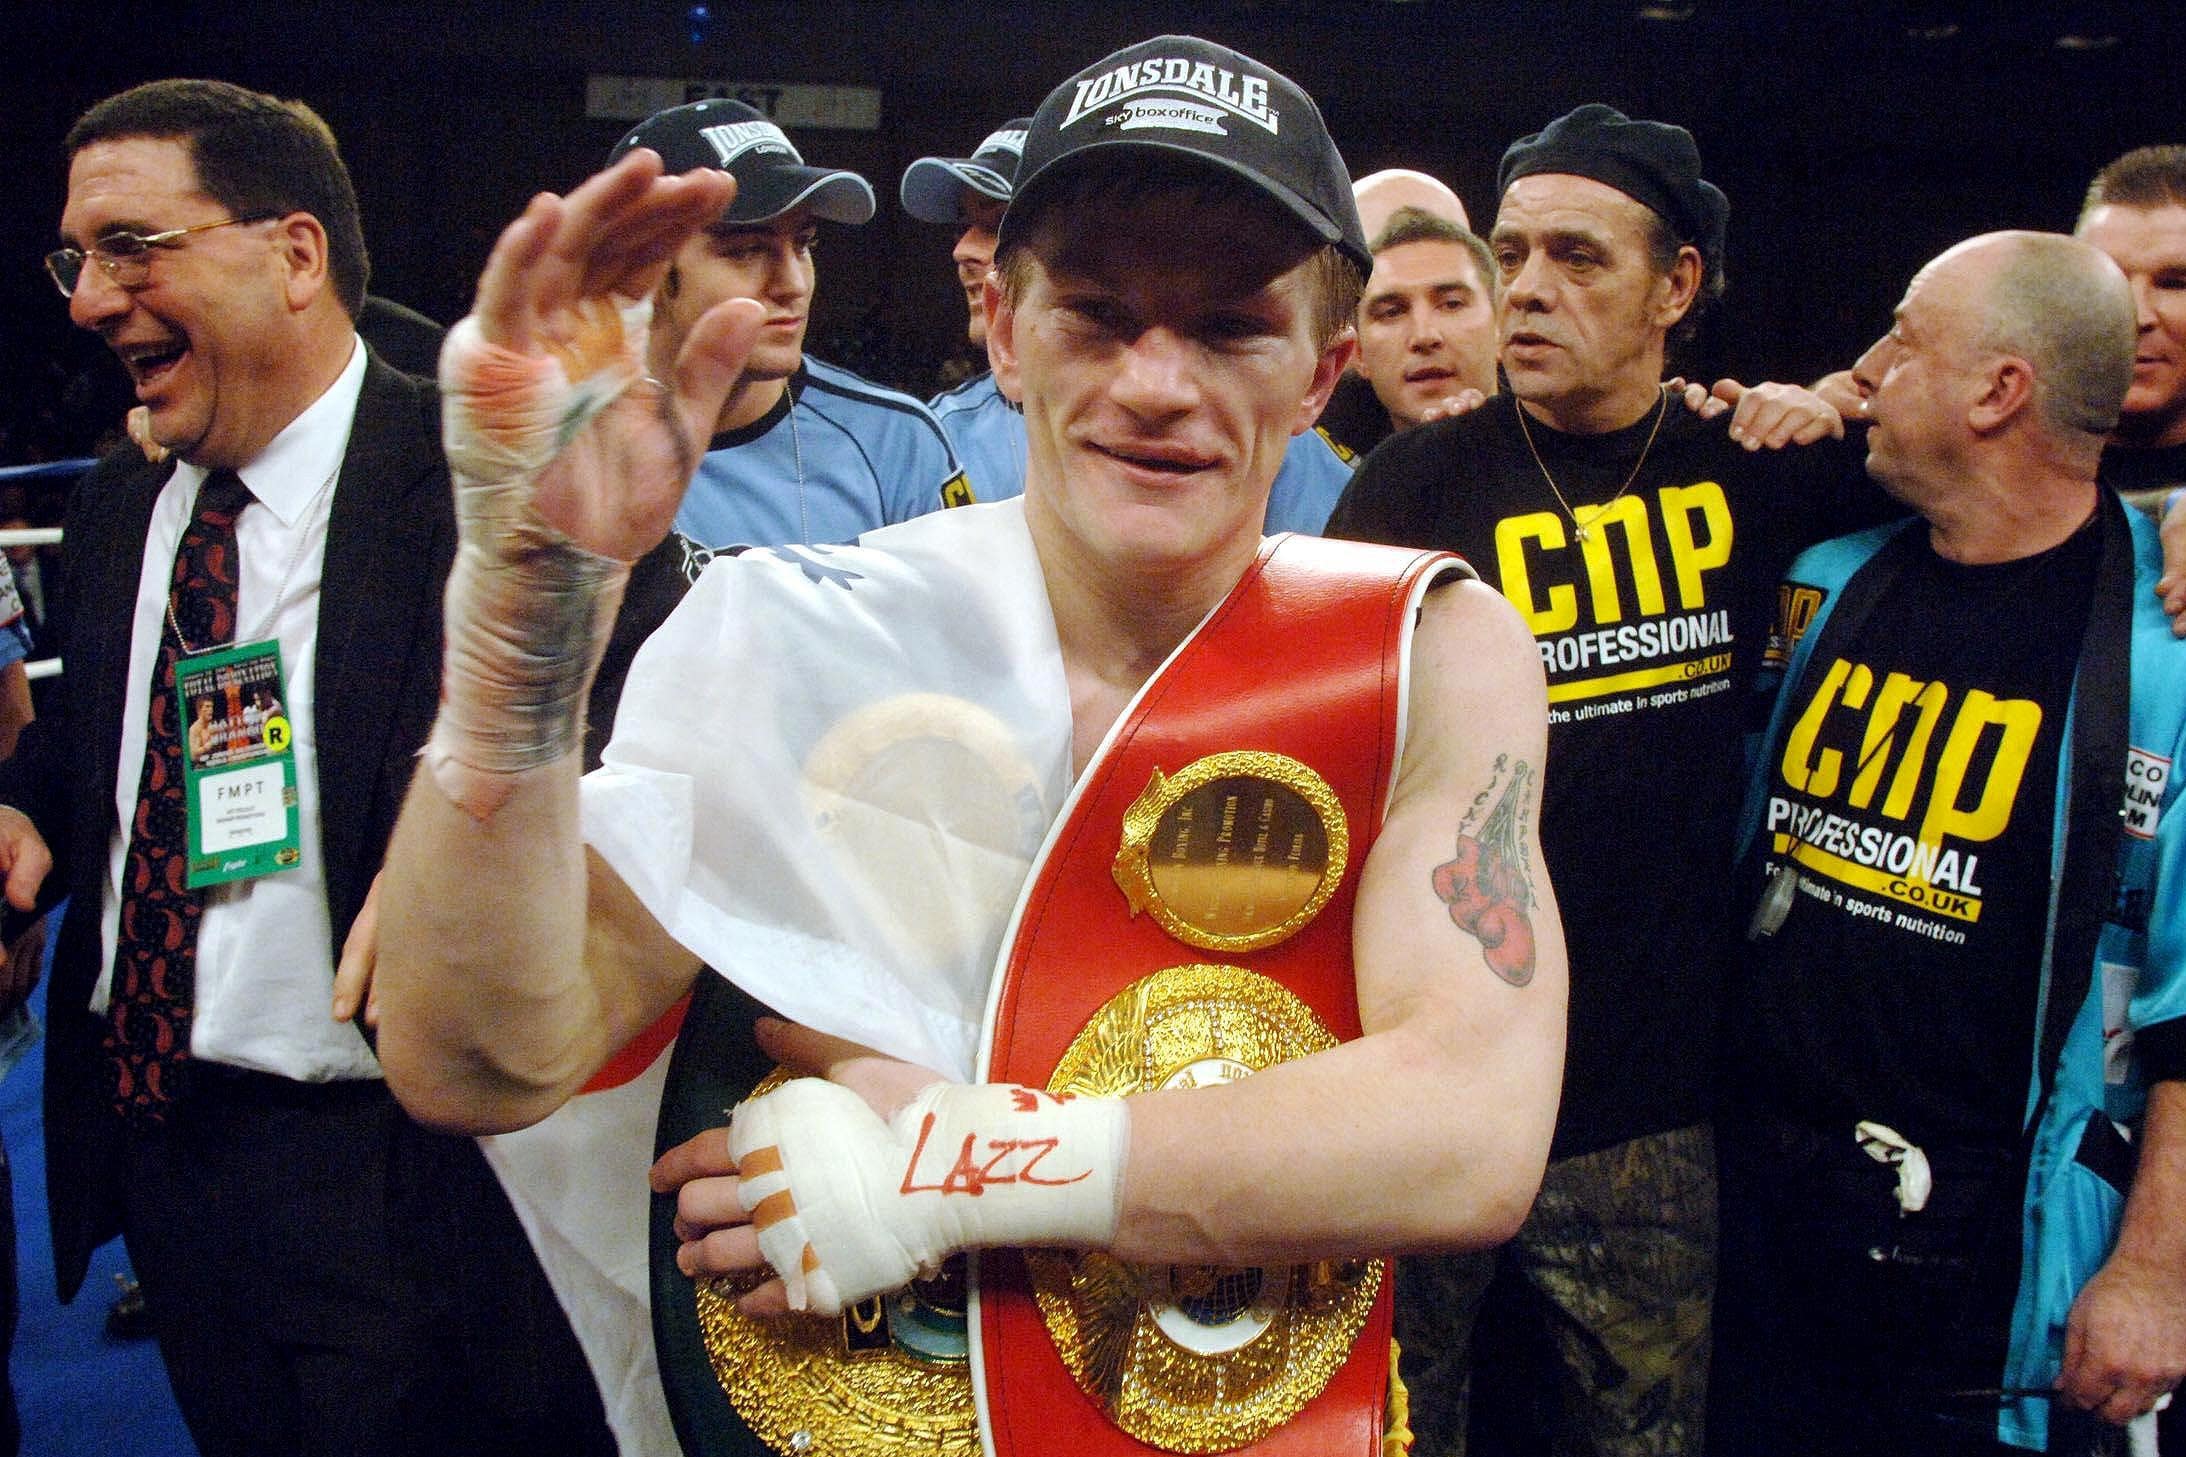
(155,959)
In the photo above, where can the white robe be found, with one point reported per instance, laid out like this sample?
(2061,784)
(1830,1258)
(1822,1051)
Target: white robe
(831,773)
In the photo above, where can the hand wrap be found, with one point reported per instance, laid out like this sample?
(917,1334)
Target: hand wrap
(848,1207)
(528,610)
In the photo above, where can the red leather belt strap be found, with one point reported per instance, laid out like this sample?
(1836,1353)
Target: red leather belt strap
(1303,658)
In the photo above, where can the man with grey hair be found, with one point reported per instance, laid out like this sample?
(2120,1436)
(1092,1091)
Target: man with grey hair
(2135,211)
(1954,1172)
(1642,545)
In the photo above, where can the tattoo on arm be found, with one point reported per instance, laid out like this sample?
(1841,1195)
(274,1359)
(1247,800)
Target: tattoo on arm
(1489,885)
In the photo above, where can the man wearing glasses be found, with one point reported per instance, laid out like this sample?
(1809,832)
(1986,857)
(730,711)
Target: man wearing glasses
(278,1206)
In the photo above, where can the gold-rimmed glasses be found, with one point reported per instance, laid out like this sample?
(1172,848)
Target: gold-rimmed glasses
(126,256)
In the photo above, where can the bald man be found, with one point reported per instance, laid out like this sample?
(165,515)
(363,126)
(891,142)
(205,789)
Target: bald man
(1380,194)
(1957,853)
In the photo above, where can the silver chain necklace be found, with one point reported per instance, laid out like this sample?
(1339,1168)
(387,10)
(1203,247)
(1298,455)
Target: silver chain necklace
(1580,528)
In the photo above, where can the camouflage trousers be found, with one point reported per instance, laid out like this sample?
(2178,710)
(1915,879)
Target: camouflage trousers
(1617,1263)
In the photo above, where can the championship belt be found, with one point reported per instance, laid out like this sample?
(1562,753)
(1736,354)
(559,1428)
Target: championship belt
(890,1377)
(1190,922)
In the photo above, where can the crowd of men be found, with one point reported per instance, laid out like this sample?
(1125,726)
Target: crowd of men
(1832,1101)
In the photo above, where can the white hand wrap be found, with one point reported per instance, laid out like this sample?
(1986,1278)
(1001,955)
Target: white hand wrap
(848,1207)
(528,610)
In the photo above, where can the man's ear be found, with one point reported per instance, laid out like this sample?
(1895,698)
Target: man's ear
(2006,389)
(1002,340)
(1357,364)
(303,252)
(1679,287)
(1326,371)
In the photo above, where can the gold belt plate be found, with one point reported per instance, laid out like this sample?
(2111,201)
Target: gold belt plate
(1234,852)
(1197,1358)
(886,1378)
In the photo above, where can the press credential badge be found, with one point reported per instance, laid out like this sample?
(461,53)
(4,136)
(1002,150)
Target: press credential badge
(238,764)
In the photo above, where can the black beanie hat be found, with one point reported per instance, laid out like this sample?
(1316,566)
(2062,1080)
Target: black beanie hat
(1650,161)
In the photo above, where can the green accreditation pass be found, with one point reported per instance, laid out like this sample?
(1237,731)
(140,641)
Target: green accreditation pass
(238,764)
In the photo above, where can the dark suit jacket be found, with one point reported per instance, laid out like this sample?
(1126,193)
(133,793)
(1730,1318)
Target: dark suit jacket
(401,336)
(390,539)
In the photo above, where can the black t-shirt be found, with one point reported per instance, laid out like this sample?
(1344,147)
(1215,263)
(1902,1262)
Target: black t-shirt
(1914,787)
(1649,631)
(2158,467)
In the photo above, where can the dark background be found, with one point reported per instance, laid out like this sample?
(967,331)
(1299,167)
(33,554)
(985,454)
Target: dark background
(1855,139)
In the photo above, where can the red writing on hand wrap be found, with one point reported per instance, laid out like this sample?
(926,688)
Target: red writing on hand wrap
(1006,1161)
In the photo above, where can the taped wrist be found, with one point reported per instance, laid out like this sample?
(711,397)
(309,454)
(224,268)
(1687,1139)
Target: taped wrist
(528,611)
(847,1207)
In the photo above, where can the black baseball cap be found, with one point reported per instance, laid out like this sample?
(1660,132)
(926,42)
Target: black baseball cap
(1651,161)
(934,187)
(770,177)
(1185,96)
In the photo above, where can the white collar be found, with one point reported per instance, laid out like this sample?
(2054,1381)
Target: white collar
(287,476)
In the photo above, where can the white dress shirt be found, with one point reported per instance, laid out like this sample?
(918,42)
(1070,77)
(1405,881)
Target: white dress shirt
(265,974)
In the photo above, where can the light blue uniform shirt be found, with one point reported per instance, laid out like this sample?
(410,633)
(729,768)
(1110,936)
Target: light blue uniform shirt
(836,457)
(988,435)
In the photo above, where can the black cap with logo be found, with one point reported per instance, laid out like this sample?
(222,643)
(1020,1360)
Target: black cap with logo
(770,177)
(1182,95)
(934,187)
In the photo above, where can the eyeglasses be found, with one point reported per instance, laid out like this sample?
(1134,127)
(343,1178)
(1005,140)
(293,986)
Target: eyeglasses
(127,257)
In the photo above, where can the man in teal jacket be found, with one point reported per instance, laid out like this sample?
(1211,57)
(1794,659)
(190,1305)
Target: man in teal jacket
(1954,1191)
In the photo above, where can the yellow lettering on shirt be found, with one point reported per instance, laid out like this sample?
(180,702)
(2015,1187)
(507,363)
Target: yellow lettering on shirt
(1691,555)
(1898,691)
(1629,513)
(2019,720)
(1805,768)
(1696,534)
(1512,534)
